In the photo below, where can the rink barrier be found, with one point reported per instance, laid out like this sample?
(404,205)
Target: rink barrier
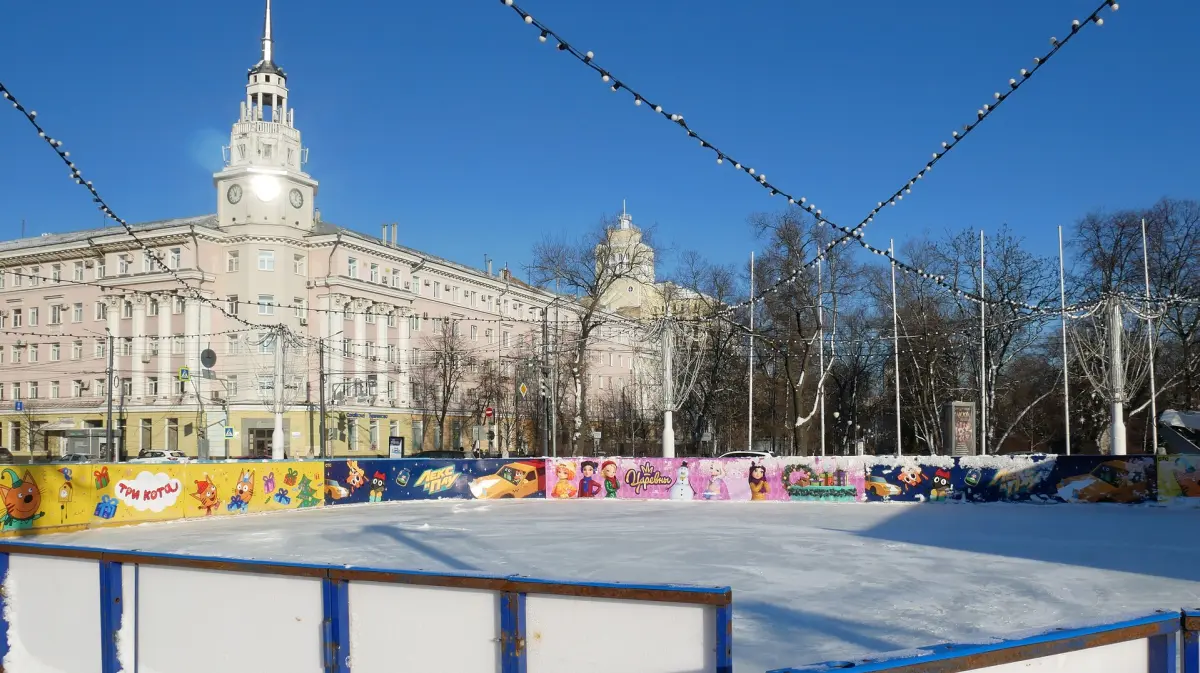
(1148,644)
(264,615)
(1191,641)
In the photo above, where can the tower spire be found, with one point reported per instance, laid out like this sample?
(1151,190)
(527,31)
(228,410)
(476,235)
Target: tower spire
(267,44)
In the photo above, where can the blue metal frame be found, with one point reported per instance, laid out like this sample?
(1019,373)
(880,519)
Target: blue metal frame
(512,633)
(111,609)
(1161,628)
(725,639)
(336,628)
(3,606)
(1191,641)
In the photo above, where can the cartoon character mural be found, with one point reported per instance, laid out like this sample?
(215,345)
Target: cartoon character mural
(243,491)
(206,493)
(512,480)
(565,472)
(611,483)
(22,500)
(941,485)
(681,489)
(356,477)
(588,486)
(378,485)
(759,488)
(716,489)
(1120,480)
(910,477)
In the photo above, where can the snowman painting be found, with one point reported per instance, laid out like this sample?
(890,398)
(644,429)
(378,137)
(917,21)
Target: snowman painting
(682,490)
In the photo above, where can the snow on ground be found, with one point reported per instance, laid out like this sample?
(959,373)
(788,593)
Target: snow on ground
(811,582)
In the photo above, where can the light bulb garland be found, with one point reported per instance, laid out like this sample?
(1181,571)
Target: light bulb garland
(854,233)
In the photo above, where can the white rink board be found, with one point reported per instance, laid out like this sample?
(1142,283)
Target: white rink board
(595,635)
(1129,657)
(49,599)
(201,621)
(423,628)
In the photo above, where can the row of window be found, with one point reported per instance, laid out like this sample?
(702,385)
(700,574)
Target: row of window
(19,277)
(31,353)
(266,262)
(30,316)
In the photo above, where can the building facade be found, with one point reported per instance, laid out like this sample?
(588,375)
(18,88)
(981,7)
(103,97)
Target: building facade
(291,306)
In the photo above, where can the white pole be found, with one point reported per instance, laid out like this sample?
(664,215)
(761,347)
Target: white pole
(750,411)
(277,432)
(1150,338)
(1118,382)
(895,341)
(821,326)
(1062,297)
(668,431)
(983,377)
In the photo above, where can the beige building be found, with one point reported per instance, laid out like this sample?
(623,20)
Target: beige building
(374,308)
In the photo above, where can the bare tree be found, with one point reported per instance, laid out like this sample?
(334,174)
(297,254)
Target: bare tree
(595,267)
(444,361)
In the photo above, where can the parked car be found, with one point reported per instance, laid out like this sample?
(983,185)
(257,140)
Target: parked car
(74,458)
(748,454)
(6,457)
(457,455)
(160,456)
(514,480)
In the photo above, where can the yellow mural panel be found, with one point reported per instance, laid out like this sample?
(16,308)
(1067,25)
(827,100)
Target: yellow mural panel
(227,489)
(132,492)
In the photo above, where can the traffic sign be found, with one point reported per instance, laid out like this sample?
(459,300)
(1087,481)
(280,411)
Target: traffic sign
(185,374)
(20,406)
(488,412)
(228,433)
(208,358)
(524,389)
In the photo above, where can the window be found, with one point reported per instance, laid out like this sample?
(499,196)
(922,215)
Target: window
(77,388)
(146,436)
(266,260)
(298,308)
(33,316)
(177,344)
(395,278)
(1,354)
(127,346)
(474,332)
(55,314)
(127,387)
(473,297)
(101,310)
(33,353)
(172,434)
(77,350)
(16,390)
(414,323)
(55,353)
(231,388)
(231,304)
(391,353)
(266,304)
(78,271)
(299,265)
(266,383)
(3,275)
(154,346)
(393,426)
(147,263)
(391,319)
(177,305)
(56,272)
(101,269)
(178,387)
(100,348)
(54,390)
(16,356)
(352,267)
(352,435)
(151,387)
(370,317)
(266,343)
(416,285)
(374,273)
(35,276)
(234,345)
(233,261)
(374,435)
(437,289)
(175,258)
(33,390)
(345,348)
(123,264)
(77,313)
(152,307)
(98,388)
(126,309)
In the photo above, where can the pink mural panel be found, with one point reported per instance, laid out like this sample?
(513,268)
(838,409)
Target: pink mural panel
(738,479)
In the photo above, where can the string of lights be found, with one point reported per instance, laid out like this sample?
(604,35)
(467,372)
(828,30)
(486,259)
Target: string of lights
(616,85)
(100,336)
(77,175)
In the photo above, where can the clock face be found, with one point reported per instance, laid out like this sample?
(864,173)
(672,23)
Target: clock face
(296,198)
(234,194)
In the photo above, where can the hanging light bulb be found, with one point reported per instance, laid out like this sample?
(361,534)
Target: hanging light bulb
(543,36)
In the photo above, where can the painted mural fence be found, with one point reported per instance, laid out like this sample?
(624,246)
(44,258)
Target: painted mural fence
(1149,644)
(121,612)
(386,480)
(45,498)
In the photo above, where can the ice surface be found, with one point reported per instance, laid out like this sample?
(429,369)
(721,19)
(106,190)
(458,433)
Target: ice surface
(811,581)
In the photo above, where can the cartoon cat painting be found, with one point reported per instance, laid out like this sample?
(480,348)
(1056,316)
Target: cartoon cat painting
(206,493)
(22,500)
(243,491)
(356,477)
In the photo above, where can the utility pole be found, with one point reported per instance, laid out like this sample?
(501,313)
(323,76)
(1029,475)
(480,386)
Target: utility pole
(750,360)
(321,376)
(277,435)
(668,432)
(1117,379)
(542,392)
(895,342)
(554,381)
(108,424)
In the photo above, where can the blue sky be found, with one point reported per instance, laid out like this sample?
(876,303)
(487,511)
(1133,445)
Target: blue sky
(451,118)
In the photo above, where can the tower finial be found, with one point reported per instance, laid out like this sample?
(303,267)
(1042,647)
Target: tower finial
(266,40)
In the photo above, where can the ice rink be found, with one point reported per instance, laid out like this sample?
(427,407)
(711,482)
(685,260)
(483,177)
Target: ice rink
(811,582)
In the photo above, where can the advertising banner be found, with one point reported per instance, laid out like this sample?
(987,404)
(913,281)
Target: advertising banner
(1179,480)
(351,481)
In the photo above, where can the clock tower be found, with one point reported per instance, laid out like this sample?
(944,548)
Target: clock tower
(262,182)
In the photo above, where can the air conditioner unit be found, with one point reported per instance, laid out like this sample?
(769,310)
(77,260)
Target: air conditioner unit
(362,400)
(392,403)
(407,285)
(426,283)
(304,322)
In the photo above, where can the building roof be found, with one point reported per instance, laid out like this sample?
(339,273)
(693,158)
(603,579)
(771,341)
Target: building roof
(206,221)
